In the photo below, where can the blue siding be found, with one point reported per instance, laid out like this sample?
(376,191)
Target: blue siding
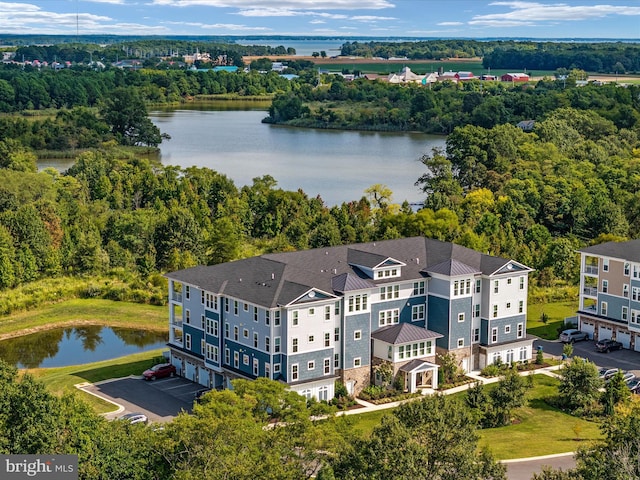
(500,324)
(302,359)
(484,331)
(460,329)
(438,319)
(196,338)
(614,305)
(356,348)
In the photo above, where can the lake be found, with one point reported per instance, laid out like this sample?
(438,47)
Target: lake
(61,347)
(336,165)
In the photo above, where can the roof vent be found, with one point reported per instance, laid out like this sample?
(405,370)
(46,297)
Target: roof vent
(273,276)
(417,259)
(335,271)
(240,280)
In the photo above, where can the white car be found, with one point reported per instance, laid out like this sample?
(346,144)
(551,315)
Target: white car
(135,417)
(573,335)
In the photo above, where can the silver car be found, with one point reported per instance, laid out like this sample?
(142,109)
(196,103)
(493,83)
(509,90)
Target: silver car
(573,335)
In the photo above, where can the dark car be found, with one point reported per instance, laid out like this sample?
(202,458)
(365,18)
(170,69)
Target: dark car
(573,335)
(159,371)
(608,345)
(198,395)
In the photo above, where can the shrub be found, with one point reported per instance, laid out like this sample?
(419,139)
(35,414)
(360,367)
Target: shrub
(492,370)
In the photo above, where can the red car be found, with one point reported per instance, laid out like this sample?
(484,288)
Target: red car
(159,371)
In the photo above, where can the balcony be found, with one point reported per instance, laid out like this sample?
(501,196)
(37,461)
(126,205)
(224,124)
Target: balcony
(176,297)
(591,269)
(176,323)
(590,291)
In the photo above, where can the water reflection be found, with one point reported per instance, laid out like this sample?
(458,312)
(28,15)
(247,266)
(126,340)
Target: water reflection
(72,346)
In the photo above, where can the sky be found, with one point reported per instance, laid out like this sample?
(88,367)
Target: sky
(343,18)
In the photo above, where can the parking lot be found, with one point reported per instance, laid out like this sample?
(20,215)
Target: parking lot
(160,400)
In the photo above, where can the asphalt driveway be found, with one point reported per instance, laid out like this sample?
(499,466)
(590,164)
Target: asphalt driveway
(160,400)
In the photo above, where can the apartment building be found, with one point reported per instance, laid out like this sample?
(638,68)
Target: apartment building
(610,292)
(311,317)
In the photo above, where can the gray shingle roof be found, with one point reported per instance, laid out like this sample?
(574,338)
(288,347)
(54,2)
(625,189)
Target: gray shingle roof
(416,363)
(280,278)
(629,250)
(404,333)
(452,268)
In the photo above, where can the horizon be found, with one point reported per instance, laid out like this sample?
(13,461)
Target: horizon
(344,19)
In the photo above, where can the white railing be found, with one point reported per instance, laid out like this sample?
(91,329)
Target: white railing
(591,269)
(176,297)
(177,323)
(591,291)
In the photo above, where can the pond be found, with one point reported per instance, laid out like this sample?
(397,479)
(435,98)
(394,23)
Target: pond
(61,347)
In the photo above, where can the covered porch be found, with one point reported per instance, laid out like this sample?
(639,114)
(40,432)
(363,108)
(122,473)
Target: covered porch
(419,374)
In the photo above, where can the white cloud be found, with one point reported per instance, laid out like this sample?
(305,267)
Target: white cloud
(115,2)
(282,4)
(449,24)
(527,13)
(370,18)
(317,22)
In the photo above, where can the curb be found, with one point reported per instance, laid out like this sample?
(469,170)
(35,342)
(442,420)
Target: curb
(84,387)
(542,457)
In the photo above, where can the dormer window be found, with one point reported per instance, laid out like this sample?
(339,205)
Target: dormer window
(387,273)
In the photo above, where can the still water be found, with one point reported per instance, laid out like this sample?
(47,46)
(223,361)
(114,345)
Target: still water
(337,165)
(73,346)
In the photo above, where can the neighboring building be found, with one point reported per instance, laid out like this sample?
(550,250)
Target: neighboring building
(610,292)
(407,76)
(465,76)
(515,77)
(526,125)
(488,77)
(311,317)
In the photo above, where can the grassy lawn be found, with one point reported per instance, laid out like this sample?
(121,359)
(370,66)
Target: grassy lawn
(542,430)
(61,380)
(85,311)
(557,312)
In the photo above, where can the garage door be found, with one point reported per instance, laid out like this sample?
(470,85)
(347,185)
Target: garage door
(637,344)
(604,333)
(624,338)
(203,376)
(588,328)
(190,371)
(177,362)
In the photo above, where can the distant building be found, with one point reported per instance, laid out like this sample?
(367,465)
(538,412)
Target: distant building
(526,125)
(515,77)
(488,77)
(465,76)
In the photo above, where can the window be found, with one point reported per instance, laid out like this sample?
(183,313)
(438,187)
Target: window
(456,288)
(236,359)
(388,317)
(202,297)
(605,286)
(507,329)
(267,317)
(226,305)
(467,287)
(521,283)
(311,339)
(461,317)
(336,335)
(255,314)
(357,362)
(605,265)
(460,342)
(235,308)
(311,365)
(327,312)
(336,360)
(401,352)
(358,302)
(521,306)
(476,335)
(327,366)
(294,345)
(312,311)
(245,306)
(327,339)
(357,335)
(389,292)
(267,370)
(417,313)
(255,340)
(202,347)
(245,333)
(625,290)
(336,308)
(187,316)
(276,318)
(476,310)
(256,366)
(625,313)
(508,305)
(294,318)
(418,288)
(209,329)
(635,318)
(478,285)
(267,344)
(187,292)
(215,328)
(494,335)
(276,345)
(276,368)
(520,330)
(508,281)
(227,356)
(603,308)
(390,352)
(294,372)
(235,333)
(187,341)
(202,322)
(496,285)
(245,359)
(226,330)
(626,269)
(523,354)
(635,293)
(495,311)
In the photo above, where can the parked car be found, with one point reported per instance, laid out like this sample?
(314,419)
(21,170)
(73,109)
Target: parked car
(608,345)
(623,372)
(634,384)
(135,417)
(159,371)
(605,373)
(573,335)
(198,395)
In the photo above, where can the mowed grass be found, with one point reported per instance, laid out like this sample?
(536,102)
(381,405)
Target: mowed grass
(85,311)
(539,429)
(557,312)
(62,380)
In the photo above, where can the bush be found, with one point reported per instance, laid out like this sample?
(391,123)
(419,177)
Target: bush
(492,370)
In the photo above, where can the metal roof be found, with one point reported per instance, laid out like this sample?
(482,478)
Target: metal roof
(404,333)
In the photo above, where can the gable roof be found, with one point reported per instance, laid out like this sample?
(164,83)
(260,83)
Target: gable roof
(275,279)
(404,333)
(452,268)
(629,250)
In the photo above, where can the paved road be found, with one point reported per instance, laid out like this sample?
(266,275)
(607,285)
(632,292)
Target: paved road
(524,470)
(623,359)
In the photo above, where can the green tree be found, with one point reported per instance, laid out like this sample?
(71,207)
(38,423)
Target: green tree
(615,393)
(507,396)
(579,384)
